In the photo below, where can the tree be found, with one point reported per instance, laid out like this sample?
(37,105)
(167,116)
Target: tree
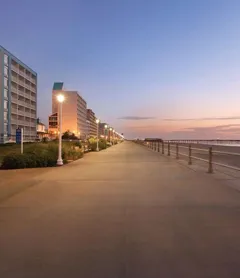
(67,135)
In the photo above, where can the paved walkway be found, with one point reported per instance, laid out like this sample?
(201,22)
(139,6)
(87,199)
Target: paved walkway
(123,212)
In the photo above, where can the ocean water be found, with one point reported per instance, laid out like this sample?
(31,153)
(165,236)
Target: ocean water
(227,144)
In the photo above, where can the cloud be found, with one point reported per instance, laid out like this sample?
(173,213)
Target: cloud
(136,118)
(142,127)
(221,131)
(202,119)
(219,128)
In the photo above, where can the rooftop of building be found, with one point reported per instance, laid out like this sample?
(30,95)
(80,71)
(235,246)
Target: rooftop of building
(17,60)
(40,123)
(57,86)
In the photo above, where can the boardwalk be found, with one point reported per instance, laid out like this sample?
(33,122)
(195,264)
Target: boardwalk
(123,212)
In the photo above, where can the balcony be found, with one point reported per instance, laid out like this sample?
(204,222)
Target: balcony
(33,90)
(27,86)
(14,90)
(14,79)
(21,102)
(21,83)
(29,115)
(33,81)
(33,107)
(28,77)
(33,98)
(21,93)
(14,68)
(27,95)
(21,122)
(14,110)
(21,112)
(14,121)
(27,133)
(22,73)
(14,100)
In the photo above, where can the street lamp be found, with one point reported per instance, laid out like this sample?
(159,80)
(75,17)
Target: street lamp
(113,136)
(60,99)
(97,121)
(110,129)
(105,131)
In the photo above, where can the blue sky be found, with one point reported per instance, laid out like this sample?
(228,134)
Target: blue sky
(148,67)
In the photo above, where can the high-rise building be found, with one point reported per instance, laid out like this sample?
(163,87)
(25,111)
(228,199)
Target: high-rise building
(74,112)
(92,125)
(18,98)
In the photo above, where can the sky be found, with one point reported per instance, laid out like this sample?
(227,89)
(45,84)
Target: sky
(150,68)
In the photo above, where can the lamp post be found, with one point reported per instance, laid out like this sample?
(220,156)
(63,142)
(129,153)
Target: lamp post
(60,99)
(113,136)
(97,121)
(106,127)
(110,135)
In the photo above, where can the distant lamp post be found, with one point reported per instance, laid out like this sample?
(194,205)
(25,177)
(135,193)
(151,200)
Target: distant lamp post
(97,121)
(60,99)
(113,136)
(110,134)
(105,131)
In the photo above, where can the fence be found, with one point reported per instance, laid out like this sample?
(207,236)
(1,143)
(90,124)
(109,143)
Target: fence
(209,154)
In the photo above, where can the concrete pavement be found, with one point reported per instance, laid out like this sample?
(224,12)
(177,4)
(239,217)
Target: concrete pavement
(123,212)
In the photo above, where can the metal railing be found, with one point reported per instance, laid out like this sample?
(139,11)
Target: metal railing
(176,149)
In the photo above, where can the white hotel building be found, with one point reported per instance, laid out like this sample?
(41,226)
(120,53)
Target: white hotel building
(18,98)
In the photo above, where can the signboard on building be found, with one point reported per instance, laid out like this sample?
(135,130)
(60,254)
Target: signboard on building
(18,135)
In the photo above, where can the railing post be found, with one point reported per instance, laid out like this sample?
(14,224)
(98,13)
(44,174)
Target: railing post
(210,165)
(177,151)
(169,149)
(162,147)
(158,146)
(155,146)
(190,155)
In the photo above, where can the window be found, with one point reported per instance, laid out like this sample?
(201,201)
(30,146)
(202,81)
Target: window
(5,104)
(5,116)
(5,59)
(5,93)
(5,82)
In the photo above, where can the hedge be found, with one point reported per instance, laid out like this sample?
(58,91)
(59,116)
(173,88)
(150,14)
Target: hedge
(28,160)
(41,155)
(92,144)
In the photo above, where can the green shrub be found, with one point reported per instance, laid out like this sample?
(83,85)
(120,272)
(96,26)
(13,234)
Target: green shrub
(78,144)
(41,155)
(45,139)
(14,161)
(102,144)
(28,160)
(92,144)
